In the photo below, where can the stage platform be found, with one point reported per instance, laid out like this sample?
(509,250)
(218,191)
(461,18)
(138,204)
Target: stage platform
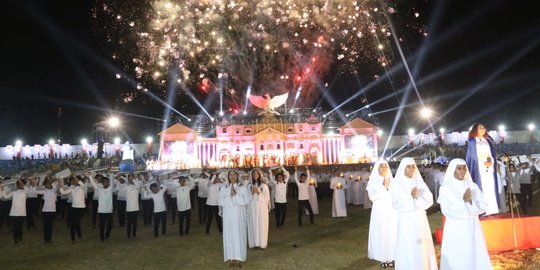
(500,235)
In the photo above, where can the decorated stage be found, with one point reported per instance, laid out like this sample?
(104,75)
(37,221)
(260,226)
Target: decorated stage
(499,233)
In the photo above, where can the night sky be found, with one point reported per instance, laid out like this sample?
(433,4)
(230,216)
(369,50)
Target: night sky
(485,51)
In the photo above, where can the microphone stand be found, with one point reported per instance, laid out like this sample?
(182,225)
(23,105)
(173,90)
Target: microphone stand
(511,194)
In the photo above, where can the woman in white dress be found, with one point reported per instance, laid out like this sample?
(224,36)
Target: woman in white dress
(383,222)
(339,205)
(233,200)
(411,197)
(464,244)
(312,191)
(258,210)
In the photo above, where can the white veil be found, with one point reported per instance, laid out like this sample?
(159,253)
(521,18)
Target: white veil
(375,177)
(400,173)
(449,175)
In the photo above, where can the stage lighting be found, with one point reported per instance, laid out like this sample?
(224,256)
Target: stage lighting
(380,132)
(442,130)
(502,128)
(221,113)
(51,141)
(531,127)
(411,131)
(149,139)
(114,122)
(18,142)
(426,113)
(116,140)
(84,141)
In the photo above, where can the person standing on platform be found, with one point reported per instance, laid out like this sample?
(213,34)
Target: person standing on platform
(481,161)
(463,245)
(233,200)
(257,211)
(339,185)
(411,198)
(383,223)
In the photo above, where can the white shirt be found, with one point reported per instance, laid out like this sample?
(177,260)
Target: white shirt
(122,191)
(18,204)
(281,192)
(77,195)
(159,200)
(132,197)
(202,185)
(105,197)
(303,188)
(182,196)
(49,199)
(147,185)
(213,193)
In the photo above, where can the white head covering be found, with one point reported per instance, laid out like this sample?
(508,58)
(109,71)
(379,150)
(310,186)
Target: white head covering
(449,175)
(400,173)
(375,177)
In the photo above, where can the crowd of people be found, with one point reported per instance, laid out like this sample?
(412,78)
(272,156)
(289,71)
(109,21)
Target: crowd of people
(240,202)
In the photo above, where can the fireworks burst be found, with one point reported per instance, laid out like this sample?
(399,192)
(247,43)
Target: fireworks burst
(274,46)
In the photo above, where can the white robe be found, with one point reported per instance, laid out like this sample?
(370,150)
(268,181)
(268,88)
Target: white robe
(313,196)
(339,206)
(349,192)
(367,201)
(486,174)
(383,223)
(257,213)
(463,245)
(358,192)
(234,221)
(414,246)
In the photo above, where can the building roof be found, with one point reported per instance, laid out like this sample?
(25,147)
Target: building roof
(358,123)
(177,129)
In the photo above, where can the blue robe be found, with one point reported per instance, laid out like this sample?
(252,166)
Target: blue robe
(472,163)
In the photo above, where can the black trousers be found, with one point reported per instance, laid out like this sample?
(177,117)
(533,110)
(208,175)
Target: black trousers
(148,209)
(17,223)
(88,200)
(160,217)
(94,212)
(213,210)
(5,207)
(281,212)
(32,208)
(520,197)
(527,192)
(105,221)
(121,211)
(184,217)
(172,208)
(75,222)
(202,209)
(62,207)
(292,190)
(131,225)
(48,221)
(304,204)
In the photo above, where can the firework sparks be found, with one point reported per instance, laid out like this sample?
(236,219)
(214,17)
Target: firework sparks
(273,45)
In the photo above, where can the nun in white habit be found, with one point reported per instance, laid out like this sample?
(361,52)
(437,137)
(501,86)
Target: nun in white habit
(234,197)
(461,200)
(411,197)
(384,220)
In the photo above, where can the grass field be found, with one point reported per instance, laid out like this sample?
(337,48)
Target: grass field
(328,244)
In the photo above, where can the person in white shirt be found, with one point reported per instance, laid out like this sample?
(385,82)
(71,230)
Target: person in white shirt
(212,202)
(120,186)
(48,212)
(160,210)
(32,203)
(233,200)
(77,192)
(18,208)
(303,195)
(339,205)
(183,203)
(147,202)
(463,245)
(257,210)
(202,195)
(132,206)
(105,205)
(280,181)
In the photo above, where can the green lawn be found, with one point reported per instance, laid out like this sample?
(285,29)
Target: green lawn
(328,244)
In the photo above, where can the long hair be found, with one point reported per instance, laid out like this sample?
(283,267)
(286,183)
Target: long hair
(256,181)
(473,131)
